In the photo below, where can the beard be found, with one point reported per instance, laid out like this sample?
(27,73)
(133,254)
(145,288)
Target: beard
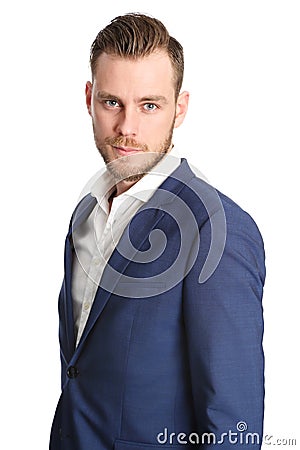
(134,166)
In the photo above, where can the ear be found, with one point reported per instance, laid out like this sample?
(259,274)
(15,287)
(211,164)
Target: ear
(181,108)
(88,96)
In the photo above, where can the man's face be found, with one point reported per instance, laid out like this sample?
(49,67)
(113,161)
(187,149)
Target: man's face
(133,108)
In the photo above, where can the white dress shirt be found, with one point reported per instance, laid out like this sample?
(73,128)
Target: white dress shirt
(96,239)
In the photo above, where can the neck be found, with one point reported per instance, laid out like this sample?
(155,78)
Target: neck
(124,185)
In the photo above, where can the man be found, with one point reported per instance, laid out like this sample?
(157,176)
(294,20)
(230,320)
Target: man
(160,309)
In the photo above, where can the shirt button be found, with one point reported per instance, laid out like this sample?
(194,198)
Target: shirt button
(86,306)
(96,261)
(72,372)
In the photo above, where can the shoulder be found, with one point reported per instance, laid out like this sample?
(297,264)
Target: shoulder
(203,195)
(223,223)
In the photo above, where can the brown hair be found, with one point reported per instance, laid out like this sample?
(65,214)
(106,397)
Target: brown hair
(136,35)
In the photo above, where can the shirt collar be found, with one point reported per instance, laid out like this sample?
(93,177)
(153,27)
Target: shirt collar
(146,186)
(142,189)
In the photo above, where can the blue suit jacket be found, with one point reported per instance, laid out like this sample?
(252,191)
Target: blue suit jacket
(172,350)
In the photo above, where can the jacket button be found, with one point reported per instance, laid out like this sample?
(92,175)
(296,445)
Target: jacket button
(72,372)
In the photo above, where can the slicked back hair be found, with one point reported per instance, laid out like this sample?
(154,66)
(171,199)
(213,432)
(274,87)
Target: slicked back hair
(134,36)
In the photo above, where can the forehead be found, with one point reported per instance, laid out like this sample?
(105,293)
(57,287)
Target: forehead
(117,74)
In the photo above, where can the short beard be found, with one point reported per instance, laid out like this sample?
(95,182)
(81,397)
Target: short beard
(123,169)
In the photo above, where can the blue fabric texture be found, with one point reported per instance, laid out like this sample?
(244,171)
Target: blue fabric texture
(167,359)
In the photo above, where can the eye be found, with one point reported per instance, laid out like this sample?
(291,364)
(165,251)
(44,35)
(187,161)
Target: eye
(150,106)
(112,103)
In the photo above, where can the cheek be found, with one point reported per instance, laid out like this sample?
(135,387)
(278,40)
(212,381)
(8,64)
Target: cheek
(102,124)
(159,124)
(163,128)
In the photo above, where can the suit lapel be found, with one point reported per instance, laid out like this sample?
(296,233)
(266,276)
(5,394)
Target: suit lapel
(114,271)
(80,214)
(82,211)
(68,323)
(117,264)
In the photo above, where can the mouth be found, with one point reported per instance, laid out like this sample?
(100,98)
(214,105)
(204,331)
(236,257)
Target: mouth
(123,151)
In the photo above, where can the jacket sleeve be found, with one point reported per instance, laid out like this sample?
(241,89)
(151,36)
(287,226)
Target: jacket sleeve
(224,328)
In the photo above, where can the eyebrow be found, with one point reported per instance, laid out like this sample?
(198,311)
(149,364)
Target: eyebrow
(154,98)
(148,98)
(106,95)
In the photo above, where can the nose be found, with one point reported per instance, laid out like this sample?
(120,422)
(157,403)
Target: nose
(127,122)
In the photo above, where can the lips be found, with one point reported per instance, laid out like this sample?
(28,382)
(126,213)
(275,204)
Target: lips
(126,150)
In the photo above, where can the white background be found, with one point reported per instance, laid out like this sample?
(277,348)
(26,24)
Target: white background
(242,132)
